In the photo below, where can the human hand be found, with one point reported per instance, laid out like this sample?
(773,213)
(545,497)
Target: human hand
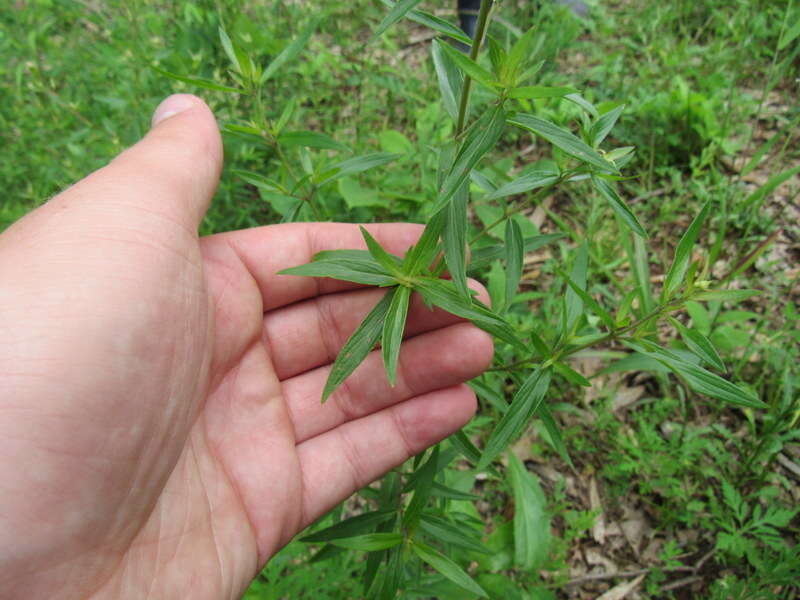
(160,426)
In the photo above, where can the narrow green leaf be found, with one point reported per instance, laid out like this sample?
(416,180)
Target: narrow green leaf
(356,164)
(309,139)
(618,205)
(451,81)
(419,258)
(398,11)
(285,115)
(573,305)
(641,272)
(460,441)
(389,262)
(563,139)
(447,532)
(587,299)
(471,68)
(726,295)
(436,23)
(531,520)
(497,56)
(423,483)
(454,238)
(571,374)
(584,104)
(292,50)
(533,92)
(789,35)
(603,126)
(358,345)
(392,575)
(265,183)
(683,254)
(515,254)
(483,257)
(446,567)
(393,328)
(524,50)
(524,183)
(699,344)
(527,399)
(345,267)
(293,214)
(699,379)
(554,433)
(443,293)
(200,82)
(370,542)
(349,527)
(481,138)
(442,491)
(227,46)
(773,182)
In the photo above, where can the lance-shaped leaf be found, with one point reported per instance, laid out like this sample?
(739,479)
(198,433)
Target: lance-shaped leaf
(524,183)
(446,567)
(264,183)
(603,126)
(358,345)
(699,344)
(347,265)
(370,542)
(527,399)
(423,484)
(398,11)
(200,82)
(587,299)
(419,257)
(533,92)
(772,183)
(392,575)
(393,328)
(448,532)
(562,139)
(683,254)
(483,257)
(443,294)
(531,521)
(454,238)
(451,81)
(699,379)
(726,295)
(618,205)
(471,68)
(481,138)
(292,50)
(550,425)
(436,23)
(388,261)
(350,527)
(573,304)
(309,139)
(356,164)
(515,254)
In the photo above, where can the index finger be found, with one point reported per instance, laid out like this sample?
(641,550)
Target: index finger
(266,250)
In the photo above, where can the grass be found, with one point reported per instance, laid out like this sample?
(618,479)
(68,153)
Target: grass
(667,490)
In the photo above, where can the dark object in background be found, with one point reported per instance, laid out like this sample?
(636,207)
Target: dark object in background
(468,12)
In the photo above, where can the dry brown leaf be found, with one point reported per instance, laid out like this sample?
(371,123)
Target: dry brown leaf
(618,592)
(625,396)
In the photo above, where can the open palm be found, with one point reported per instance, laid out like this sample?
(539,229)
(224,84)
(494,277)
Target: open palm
(160,426)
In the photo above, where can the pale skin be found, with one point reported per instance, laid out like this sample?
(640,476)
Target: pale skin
(161,432)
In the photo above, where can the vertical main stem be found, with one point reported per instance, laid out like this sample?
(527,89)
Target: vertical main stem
(480,32)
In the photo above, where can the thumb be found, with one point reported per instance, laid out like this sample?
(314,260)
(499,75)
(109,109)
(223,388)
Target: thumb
(172,172)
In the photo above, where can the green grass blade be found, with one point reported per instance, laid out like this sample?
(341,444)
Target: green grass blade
(393,328)
(446,567)
(773,182)
(358,345)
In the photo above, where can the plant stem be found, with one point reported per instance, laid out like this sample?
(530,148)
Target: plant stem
(480,31)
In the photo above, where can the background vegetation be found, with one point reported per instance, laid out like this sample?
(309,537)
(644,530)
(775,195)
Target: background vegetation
(667,494)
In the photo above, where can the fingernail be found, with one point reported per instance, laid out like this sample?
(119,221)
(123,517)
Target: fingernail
(171,106)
